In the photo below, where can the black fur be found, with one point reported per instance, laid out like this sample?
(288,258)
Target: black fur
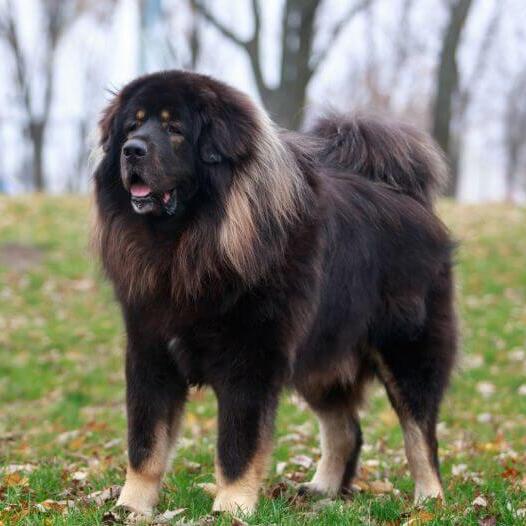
(361,273)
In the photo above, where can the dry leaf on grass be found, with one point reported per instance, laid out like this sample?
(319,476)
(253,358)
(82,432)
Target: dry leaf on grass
(418,518)
(14,468)
(51,505)
(191,467)
(302,460)
(15,479)
(480,502)
(102,496)
(380,486)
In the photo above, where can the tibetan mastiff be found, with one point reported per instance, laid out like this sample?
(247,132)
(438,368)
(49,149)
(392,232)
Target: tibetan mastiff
(251,259)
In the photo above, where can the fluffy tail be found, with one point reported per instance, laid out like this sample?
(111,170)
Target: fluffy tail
(391,153)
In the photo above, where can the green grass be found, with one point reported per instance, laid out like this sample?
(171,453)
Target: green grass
(62,390)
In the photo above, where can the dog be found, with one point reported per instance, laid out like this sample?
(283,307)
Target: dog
(251,259)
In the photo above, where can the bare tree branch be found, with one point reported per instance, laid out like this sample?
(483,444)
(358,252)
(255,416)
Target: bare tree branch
(336,31)
(13,41)
(251,46)
(466,91)
(225,31)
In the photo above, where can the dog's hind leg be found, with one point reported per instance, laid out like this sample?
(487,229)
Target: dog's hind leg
(420,441)
(340,434)
(341,441)
(415,374)
(155,399)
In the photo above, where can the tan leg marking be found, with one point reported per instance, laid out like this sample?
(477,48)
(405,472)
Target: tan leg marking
(427,483)
(242,494)
(337,440)
(140,492)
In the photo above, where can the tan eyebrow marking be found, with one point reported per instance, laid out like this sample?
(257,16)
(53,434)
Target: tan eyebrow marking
(140,115)
(165,115)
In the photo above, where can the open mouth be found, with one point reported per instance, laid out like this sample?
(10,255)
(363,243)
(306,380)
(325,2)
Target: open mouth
(144,200)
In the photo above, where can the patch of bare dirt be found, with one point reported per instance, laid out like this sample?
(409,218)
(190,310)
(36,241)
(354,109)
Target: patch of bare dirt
(19,257)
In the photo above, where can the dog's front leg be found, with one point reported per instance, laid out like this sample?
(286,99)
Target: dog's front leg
(155,397)
(246,415)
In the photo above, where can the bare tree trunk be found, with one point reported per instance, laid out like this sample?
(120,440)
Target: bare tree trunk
(447,84)
(286,102)
(37,134)
(515,132)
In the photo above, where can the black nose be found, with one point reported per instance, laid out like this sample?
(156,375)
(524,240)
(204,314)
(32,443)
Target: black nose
(134,148)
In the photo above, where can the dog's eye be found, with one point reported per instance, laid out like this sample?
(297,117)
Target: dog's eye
(132,127)
(174,129)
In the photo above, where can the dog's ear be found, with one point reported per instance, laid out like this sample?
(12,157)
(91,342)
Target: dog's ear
(229,124)
(107,120)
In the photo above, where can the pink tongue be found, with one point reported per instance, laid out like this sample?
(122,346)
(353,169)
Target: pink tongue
(140,190)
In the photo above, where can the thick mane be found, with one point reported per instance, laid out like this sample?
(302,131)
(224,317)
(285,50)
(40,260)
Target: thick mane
(268,194)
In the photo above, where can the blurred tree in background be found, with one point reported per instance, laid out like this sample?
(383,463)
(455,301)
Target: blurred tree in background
(36,92)
(454,67)
(286,101)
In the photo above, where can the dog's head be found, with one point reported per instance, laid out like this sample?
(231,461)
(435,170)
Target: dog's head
(175,135)
(187,153)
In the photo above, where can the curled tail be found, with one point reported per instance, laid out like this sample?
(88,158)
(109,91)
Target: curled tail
(391,153)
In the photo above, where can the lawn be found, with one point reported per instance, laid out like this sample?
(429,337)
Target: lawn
(62,420)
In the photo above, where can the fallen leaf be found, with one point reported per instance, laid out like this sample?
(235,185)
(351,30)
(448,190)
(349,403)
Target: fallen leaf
(280,468)
(484,418)
(192,467)
(510,473)
(13,468)
(458,469)
(486,389)
(302,460)
(480,502)
(50,505)
(168,515)
(360,485)
(418,518)
(15,479)
(79,476)
(102,496)
(278,490)
(380,486)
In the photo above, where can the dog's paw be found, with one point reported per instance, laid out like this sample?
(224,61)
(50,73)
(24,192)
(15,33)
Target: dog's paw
(139,504)
(317,489)
(227,502)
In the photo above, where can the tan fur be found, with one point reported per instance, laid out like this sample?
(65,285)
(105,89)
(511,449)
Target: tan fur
(130,255)
(242,493)
(337,443)
(427,483)
(269,189)
(141,489)
(345,374)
